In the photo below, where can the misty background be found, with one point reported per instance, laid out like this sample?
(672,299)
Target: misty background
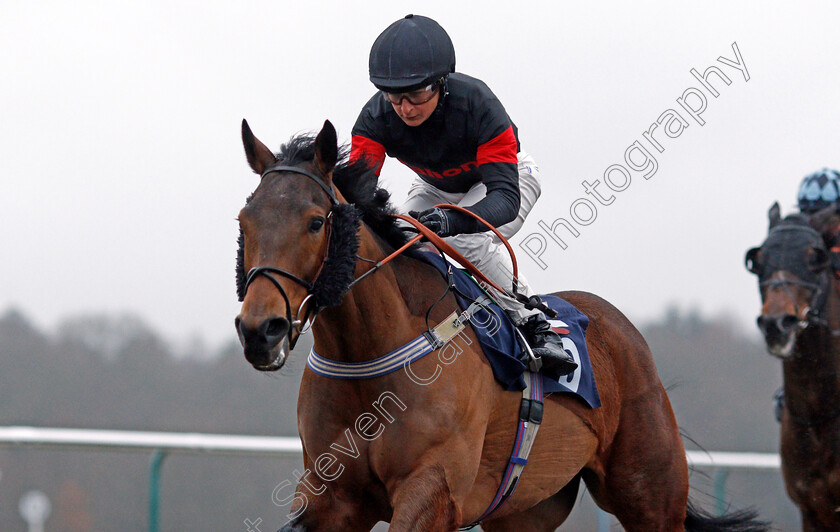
(720,384)
(122,169)
(122,172)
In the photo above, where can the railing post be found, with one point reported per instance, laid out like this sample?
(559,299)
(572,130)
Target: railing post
(154,489)
(720,490)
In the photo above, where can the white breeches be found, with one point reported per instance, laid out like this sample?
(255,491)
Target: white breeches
(485,250)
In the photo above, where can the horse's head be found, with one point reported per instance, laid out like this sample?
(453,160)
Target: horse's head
(297,244)
(792,266)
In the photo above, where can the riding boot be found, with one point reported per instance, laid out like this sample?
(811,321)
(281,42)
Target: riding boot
(547,345)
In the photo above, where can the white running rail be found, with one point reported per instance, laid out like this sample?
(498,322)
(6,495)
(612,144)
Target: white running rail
(148,441)
(162,443)
(266,445)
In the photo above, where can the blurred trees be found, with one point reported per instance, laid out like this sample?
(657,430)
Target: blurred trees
(115,372)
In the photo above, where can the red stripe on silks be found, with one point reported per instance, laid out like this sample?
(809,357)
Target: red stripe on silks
(372,150)
(560,330)
(500,149)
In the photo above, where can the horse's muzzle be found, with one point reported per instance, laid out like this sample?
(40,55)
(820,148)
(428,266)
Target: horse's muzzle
(780,333)
(266,344)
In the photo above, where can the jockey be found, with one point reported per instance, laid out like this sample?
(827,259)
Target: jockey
(453,132)
(819,190)
(816,192)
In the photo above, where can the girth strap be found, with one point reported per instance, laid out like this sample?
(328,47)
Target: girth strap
(530,418)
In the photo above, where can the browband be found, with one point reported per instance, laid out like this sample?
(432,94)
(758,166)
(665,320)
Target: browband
(310,175)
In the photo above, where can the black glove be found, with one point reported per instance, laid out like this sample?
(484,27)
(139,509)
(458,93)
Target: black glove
(437,219)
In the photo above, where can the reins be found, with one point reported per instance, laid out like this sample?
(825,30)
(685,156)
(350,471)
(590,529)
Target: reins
(267,271)
(442,245)
(446,248)
(812,313)
(298,324)
(531,410)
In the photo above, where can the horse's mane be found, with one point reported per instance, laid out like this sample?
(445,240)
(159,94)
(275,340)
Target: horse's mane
(356,181)
(795,218)
(359,185)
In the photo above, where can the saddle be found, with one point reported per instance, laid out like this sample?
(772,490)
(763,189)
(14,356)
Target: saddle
(504,349)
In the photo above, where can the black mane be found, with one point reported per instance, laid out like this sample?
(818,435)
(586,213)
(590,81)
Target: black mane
(357,182)
(795,218)
(359,185)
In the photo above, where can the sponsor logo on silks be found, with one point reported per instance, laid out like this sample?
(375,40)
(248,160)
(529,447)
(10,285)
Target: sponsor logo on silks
(451,172)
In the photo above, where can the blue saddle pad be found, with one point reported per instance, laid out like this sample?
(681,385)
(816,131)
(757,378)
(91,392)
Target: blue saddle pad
(498,340)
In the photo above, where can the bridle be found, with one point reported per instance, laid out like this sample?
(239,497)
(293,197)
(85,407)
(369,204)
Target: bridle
(304,324)
(812,313)
(297,325)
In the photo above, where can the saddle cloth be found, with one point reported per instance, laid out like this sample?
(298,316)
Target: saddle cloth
(498,340)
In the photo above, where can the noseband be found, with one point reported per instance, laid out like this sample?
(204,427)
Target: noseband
(819,289)
(269,272)
(813,310)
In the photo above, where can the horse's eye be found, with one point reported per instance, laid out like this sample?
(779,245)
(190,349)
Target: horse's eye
(316,224)
(818,259)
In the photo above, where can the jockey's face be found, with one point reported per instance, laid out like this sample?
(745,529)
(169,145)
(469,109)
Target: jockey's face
(414,115)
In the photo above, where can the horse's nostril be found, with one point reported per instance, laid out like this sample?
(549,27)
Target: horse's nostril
(777,325)
(276,327)
(788,322)
(764,323)
(267,334)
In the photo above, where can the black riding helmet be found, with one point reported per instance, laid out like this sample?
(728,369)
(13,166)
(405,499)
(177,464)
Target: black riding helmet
(411,53)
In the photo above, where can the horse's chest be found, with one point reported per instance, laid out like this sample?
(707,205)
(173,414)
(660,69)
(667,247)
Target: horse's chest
(811,463)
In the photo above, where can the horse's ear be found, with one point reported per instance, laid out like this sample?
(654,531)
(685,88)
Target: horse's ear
(326,150)
(774,214)
(259,157)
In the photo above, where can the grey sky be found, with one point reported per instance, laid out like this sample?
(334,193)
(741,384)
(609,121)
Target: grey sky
(122,171)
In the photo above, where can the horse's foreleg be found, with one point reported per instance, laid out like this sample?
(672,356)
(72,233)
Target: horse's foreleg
(326,510)
(811,521)
(423,502)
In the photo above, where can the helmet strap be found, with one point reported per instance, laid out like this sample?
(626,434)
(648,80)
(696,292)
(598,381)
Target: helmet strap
(444,90)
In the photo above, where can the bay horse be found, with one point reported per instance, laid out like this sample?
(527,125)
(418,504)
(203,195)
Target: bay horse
(429,455)
(800,322)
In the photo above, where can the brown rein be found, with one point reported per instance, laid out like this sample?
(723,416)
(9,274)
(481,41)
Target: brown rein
(442,245)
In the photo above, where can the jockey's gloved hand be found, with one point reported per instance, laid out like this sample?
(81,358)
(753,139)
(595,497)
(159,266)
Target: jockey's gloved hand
(445,222)
(437,219)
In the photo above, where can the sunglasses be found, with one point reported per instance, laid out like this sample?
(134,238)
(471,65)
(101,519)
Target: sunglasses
(418,97)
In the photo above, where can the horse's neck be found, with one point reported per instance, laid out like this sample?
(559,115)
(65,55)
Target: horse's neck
(812,378)
(380,313)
